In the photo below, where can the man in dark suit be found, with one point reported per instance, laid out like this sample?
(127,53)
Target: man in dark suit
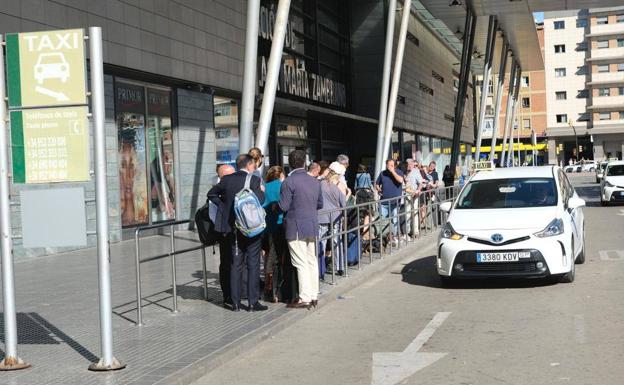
(244,250)
(300,199)
(225,251)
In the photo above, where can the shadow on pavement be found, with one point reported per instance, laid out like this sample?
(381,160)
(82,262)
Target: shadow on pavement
(33,329)
(422,272)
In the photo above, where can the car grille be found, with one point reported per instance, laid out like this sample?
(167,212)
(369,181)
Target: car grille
(489,243)
(500,267)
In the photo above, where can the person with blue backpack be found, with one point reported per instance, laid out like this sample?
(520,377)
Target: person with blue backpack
(241,218)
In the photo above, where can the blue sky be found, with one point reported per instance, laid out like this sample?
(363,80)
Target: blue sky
(539,16)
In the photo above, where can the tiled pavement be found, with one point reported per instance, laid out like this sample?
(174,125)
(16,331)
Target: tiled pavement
(57,304)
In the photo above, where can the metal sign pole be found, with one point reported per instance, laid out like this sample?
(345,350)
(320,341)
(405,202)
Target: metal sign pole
(11,360)
(107,361)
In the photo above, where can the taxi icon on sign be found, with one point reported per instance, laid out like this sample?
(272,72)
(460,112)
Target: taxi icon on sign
(51,66)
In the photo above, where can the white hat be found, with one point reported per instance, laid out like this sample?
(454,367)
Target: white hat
(337,168)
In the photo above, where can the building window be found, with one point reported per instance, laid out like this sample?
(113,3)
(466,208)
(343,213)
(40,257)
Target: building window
(560,48)
(560,72)
(584,117)
(604,91)
(581,70)
(413,39)
(226,129)
(561,95)
(602,20)
(581,47)
(560,24)
(620,91)
(621,115)
(526,102)
(525,81)
(583,94)
(526,124)
(619,19)
(426,89)
(437,76)
(601,44)
(620,67)
(620,42)
(605,116)
(562,118)
(603,67)
(581,23)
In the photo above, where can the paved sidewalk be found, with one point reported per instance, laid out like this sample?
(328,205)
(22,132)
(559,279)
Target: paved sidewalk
(58,321)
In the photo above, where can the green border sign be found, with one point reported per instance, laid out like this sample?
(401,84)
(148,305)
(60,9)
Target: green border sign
(46,69)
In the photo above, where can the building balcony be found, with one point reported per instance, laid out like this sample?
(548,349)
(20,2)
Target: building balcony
(598,78)
(606,29)
(604,101)
(607,53)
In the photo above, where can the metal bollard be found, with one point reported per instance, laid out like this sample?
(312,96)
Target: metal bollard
(345,243)
(137,266)
(205,279)
(173,270)
(359,240)
(333,248)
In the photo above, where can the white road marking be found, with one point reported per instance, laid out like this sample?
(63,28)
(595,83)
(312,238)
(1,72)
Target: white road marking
(611,255)
(621,213)
(393,367)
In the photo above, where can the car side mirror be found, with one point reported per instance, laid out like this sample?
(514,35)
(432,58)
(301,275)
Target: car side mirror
(575,202)
(446,206)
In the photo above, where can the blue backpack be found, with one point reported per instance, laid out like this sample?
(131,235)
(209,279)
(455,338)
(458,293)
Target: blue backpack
(250,216)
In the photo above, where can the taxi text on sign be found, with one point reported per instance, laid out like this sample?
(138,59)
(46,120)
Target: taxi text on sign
(46,68)
(50,145)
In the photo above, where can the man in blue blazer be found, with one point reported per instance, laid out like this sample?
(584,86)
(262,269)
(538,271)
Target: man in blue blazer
(244,250)
(300,199)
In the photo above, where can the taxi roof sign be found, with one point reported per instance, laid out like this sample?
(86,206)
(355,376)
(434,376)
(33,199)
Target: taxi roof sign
(613,160)
(483,165)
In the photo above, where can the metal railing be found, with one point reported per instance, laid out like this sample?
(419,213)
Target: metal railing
(412,217)
(172,254)
(408,218)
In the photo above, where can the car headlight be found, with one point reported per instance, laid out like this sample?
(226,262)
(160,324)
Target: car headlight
(449,233)
(553,228)
(607,184)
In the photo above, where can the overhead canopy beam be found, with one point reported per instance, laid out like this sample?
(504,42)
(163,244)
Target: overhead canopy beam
(485,87)
(499,96)
(385,86)
(464,75)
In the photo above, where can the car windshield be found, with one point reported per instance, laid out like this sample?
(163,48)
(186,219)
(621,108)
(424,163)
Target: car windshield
(603,165)
(617,170)
(52,58)
(508,193)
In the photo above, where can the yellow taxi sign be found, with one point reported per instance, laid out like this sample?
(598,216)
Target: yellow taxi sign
(483,165)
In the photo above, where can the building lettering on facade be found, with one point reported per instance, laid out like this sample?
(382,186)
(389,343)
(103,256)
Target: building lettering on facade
(294,78)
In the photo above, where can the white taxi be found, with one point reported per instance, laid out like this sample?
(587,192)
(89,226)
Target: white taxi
(612,185)
(513,222)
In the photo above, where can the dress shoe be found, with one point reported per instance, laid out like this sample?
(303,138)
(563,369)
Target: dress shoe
(258,307)
(314,303)
(299,304)
(236,306)
(227,303)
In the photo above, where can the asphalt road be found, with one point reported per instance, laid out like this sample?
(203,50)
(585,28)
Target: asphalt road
(503,332)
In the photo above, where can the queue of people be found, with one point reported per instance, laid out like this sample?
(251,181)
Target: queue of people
(309,204)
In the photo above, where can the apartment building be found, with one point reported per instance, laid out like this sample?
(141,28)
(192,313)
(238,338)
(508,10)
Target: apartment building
(584,64)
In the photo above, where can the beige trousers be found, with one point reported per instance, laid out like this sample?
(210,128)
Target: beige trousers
(303,256)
